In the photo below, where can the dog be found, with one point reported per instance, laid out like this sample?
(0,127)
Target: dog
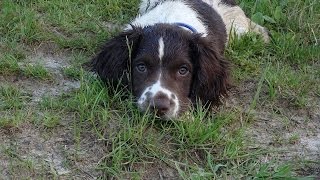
(171,55)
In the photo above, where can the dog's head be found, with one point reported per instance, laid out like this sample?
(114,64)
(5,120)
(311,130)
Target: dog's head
(169,68)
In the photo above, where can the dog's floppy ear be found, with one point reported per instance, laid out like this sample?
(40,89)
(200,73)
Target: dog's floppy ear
(211,72)
(112,62)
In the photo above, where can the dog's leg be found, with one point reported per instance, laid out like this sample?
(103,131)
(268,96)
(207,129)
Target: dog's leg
(236,21)
(259,30)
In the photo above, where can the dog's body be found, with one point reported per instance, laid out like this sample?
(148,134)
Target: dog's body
(174,53)
(180,11)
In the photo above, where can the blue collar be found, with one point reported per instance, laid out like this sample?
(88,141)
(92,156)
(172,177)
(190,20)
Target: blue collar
(192,29)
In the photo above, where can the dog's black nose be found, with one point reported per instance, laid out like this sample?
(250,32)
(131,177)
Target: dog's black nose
(161,104)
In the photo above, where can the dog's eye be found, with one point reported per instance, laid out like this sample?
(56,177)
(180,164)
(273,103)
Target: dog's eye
(183,70)
(141,67)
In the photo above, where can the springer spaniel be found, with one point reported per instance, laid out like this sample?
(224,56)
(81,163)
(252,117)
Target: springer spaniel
(172,54)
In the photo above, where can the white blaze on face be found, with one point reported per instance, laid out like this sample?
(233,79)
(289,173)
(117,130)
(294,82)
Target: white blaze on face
(161,49)
(148,95)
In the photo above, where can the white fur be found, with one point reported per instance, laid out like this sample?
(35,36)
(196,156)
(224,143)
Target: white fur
(170,12)
(161,49)
(153,90)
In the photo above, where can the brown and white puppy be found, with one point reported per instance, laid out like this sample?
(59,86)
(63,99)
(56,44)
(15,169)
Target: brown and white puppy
(174,53)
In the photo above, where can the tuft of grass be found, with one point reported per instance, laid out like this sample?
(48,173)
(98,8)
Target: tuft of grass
(8,65)
(72,72)
(48,119)
(199,128)
(11,97)
(14,118)
(247,62)
(36,71)
(268,171)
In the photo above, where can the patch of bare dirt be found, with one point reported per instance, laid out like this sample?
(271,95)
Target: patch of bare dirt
(290,132)
(31,152)
(53,154)
(54,60)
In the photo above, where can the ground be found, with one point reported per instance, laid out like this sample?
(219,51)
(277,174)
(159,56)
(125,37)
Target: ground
(59,121)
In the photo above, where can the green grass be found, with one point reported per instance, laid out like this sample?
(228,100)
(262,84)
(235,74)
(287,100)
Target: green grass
(9,65)
(72,72)
(13,119)
(11,97)
(285,74)
(36,71)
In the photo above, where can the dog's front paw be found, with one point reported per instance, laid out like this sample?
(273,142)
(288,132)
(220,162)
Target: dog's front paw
(263,31)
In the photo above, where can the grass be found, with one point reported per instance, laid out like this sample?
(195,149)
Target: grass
(11,97)
(9,65)
(72,72)
(36,71)
(285,75)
